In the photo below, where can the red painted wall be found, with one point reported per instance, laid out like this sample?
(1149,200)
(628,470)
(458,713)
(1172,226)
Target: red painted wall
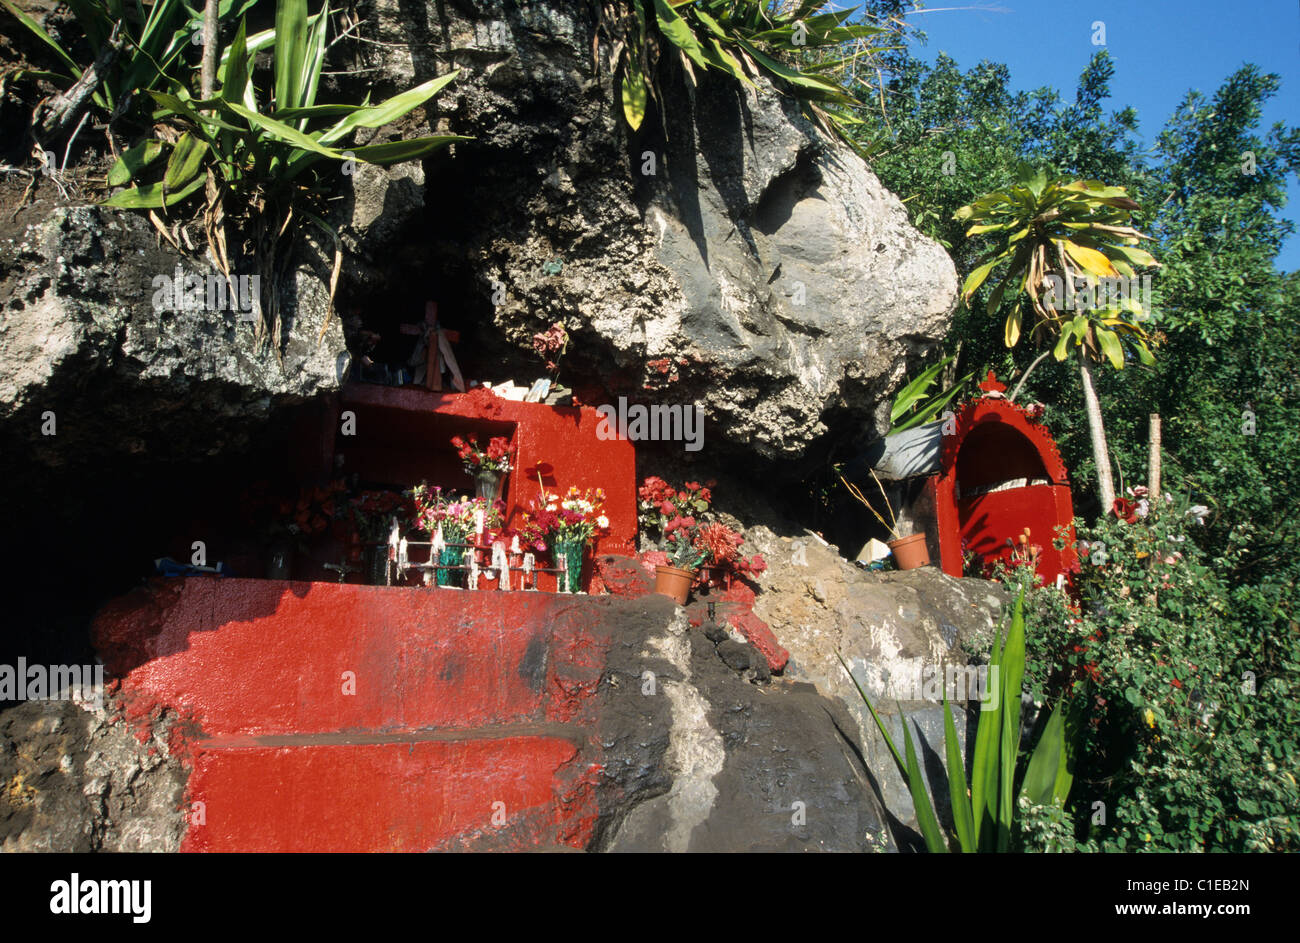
(470,725)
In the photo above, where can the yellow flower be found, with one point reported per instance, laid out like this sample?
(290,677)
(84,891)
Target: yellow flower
(1150,718)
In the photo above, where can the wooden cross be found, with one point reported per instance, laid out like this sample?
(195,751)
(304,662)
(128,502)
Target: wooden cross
(437,343)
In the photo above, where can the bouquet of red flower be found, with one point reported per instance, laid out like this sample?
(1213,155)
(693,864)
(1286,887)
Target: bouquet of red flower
(691,541)
(578,516)
(495,458)
(316,508)
(722,547)
(661,502)
(551,345)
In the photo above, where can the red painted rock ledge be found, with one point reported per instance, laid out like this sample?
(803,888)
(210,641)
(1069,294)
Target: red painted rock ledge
(338,717)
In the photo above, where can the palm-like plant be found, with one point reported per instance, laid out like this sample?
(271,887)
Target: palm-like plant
(1055,236)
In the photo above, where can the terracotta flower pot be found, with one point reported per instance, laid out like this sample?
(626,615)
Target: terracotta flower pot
(674,583)
(910,552)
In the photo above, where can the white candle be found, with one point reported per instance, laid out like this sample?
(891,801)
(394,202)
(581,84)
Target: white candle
(478,522)
(514,544)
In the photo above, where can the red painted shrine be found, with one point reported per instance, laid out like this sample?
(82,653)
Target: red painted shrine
(402,435)
(1000,473)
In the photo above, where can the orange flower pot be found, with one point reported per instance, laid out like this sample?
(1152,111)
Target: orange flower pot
(674,583)
(910,552)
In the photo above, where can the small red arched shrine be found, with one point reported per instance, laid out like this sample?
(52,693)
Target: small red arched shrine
(1000,473)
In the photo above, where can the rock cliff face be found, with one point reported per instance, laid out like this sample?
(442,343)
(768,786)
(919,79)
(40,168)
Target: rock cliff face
(731,256)
(738,259)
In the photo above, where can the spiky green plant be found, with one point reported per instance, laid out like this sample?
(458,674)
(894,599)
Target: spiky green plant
(911,405)
(259,151)
(151,39)
(740,38)
(985,810)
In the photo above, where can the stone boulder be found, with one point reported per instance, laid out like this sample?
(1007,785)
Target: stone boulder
(77,779)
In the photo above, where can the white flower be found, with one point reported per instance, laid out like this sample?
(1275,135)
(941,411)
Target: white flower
(1199,512)
(602,522)
(1143,507)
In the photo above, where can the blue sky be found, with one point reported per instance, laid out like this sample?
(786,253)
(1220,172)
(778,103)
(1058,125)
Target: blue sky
(1161,48)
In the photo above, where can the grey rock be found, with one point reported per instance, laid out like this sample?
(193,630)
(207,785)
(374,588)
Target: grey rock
(80,337)
(73,782)
(711,763)
(744,261)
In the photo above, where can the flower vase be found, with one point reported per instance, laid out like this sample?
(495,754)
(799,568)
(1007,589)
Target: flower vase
(568,555)
(376,566)
(449,557)
(487,485)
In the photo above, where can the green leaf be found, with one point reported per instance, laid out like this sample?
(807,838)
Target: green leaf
(1011,331)
(634,96)
(1111,347)
(281,131)
(962,818)
(394,152)
(925,817)
(1062,345)
(911,394)
(290,51)
(983,776)
(376,116)
(677,31)
(1045,761)
(44,37)
(1011,674)
(821,87)
(235,71)
(977,277)
(185,163)
(133,160)
(150,196)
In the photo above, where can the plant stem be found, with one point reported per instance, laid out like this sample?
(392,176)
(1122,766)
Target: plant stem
(1025,375)
(208,67)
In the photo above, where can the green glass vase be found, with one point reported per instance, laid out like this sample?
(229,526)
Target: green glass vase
(449,557)
(568,555)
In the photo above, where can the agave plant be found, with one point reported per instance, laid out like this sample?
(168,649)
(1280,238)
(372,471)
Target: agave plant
(741,38)
(261,152)
(137,48)
(1052,236)
(985,807)
(913,406)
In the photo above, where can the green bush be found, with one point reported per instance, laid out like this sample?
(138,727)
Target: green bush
(1192,740)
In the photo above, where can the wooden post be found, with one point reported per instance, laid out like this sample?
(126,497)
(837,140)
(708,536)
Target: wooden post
(1153,459)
